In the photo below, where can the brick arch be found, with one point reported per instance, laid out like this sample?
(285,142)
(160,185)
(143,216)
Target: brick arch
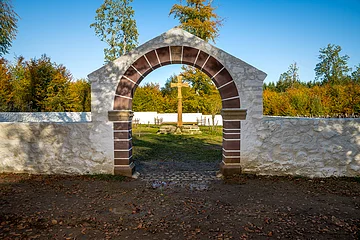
(122,106)
(176,55)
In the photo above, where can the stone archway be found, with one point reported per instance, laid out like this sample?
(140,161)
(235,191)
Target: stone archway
(230,75)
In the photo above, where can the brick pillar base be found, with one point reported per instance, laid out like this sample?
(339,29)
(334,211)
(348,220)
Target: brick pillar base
(232,117)
(123,162)
(229,169)
(125,170)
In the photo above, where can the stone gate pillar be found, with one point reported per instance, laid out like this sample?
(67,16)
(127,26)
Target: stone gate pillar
(123,163)
(231,141)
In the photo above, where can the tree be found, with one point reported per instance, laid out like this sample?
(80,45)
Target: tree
(289,79)
(115,25)
(8,27)
(5,86)
(79,94)
(56,97)
(213,104)
(197,79)
(39,73)
(39,85)
(198,18)
(332,67)
(269,86)
(148,98)
(21,96)
(355,75)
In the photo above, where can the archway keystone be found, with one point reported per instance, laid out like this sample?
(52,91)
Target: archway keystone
(236,81)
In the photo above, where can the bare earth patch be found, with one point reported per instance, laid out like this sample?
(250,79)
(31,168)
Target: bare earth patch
(247,207)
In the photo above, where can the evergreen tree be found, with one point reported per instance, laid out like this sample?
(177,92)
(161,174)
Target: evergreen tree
(115,25)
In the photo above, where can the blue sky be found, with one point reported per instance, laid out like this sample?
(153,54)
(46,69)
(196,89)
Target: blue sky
(268,34)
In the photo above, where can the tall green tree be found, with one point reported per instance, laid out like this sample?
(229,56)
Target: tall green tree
(8,27)
(115,25)
(332,67)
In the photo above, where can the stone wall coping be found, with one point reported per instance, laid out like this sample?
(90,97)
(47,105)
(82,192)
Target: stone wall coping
(275,118)
(51,117)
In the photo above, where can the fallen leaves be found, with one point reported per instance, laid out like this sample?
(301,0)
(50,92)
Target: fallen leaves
(73,208)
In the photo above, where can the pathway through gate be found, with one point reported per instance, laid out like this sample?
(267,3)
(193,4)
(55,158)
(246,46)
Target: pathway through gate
(178,173)
(176,159)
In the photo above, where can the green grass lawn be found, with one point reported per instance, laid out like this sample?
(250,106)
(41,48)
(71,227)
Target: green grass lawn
(149,146)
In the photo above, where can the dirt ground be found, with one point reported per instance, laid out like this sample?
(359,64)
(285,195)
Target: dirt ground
(246,207)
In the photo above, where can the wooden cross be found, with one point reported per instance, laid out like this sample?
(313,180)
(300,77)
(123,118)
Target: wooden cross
(179,85)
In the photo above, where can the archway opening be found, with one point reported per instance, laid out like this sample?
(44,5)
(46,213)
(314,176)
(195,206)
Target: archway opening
(123,115)
(157,153)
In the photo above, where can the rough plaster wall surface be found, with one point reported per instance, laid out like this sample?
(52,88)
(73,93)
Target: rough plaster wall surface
(45,116)
(304,146)
(55,148)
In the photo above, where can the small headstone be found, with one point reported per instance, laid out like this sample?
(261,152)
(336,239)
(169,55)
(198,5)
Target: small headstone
(191,129)
(165,129)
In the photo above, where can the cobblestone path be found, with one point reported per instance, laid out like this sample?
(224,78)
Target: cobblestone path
(191,175)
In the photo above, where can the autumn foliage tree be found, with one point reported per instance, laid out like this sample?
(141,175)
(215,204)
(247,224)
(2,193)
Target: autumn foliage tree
(336,93)
(40,85)
(198,17)
(5,85)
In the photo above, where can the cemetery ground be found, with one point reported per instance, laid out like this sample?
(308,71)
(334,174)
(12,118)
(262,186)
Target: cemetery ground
(166,202)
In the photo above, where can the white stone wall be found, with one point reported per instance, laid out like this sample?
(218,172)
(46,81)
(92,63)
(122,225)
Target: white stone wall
(282,146)
(208,119)
(271,145)
(303,146)
(62,148)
